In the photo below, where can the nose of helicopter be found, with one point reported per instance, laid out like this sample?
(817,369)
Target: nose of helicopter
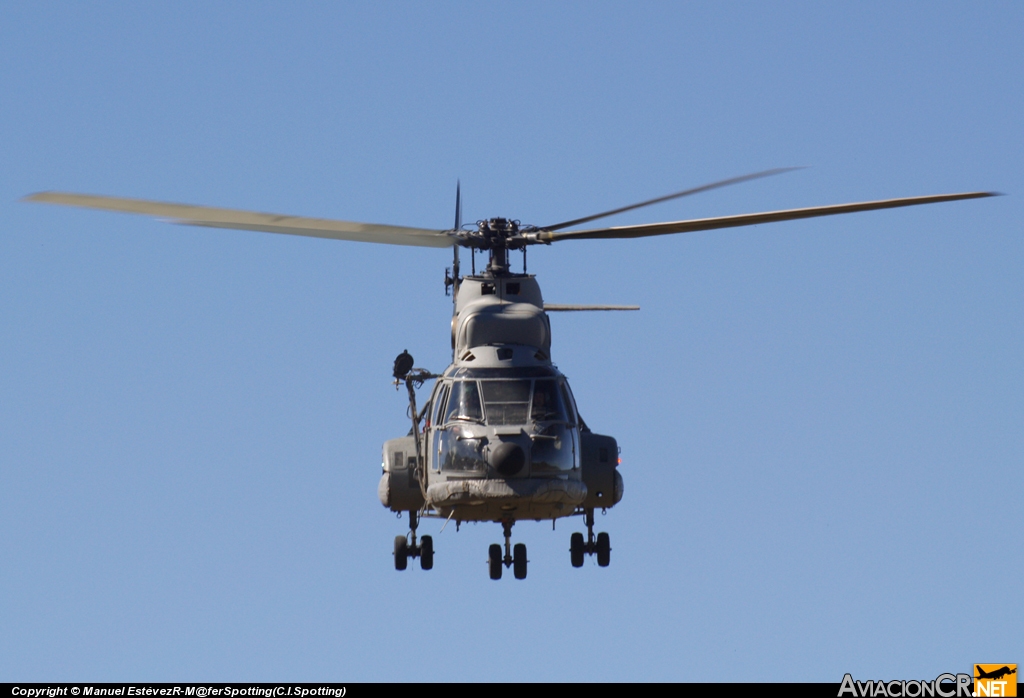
(507,458)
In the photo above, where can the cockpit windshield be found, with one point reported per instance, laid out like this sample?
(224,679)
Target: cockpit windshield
(508,402)
(546,405)
(464,403)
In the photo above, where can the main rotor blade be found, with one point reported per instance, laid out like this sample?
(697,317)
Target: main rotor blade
(208,217)
(669,197)
(568,308)
(689,226)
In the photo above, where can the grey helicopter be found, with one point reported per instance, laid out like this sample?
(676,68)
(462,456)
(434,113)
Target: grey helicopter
(500,438)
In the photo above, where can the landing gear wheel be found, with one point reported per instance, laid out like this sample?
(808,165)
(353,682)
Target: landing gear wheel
(426,552)
(604,550)
(494,561)
(519,561)
(576,549)
(401,552)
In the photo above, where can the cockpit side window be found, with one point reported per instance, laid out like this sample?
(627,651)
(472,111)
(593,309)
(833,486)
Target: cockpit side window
(570,408)
(464,402)
(440,403)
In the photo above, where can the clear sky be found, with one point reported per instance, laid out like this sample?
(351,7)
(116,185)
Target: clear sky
(821,422)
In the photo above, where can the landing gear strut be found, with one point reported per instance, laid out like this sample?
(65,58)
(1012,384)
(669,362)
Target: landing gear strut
(601,545)
(404,549)
(514,557)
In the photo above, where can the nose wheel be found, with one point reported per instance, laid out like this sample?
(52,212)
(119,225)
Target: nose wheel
(404,549)
(514,557)
(601,545)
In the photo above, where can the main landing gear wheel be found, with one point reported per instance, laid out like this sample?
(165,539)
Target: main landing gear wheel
(604,550)
(601,545)
(576,549)
(519,561)
(494,561)
(401,553)
(426,552)
(512,557)
(406,547)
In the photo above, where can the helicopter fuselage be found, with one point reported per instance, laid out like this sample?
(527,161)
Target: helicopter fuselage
(501,439)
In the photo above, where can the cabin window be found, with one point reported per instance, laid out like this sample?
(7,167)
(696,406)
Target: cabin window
(512,288)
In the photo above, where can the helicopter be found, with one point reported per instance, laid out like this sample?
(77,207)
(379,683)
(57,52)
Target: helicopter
(500,437)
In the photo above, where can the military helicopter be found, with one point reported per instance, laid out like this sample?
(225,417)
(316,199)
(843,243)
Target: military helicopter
(500,437)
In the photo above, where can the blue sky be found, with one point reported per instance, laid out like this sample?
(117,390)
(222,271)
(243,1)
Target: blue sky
(821,421)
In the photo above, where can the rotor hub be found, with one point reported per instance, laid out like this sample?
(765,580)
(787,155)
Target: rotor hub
(495,234)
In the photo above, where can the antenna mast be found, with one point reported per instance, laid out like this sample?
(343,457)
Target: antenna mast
(458,226)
